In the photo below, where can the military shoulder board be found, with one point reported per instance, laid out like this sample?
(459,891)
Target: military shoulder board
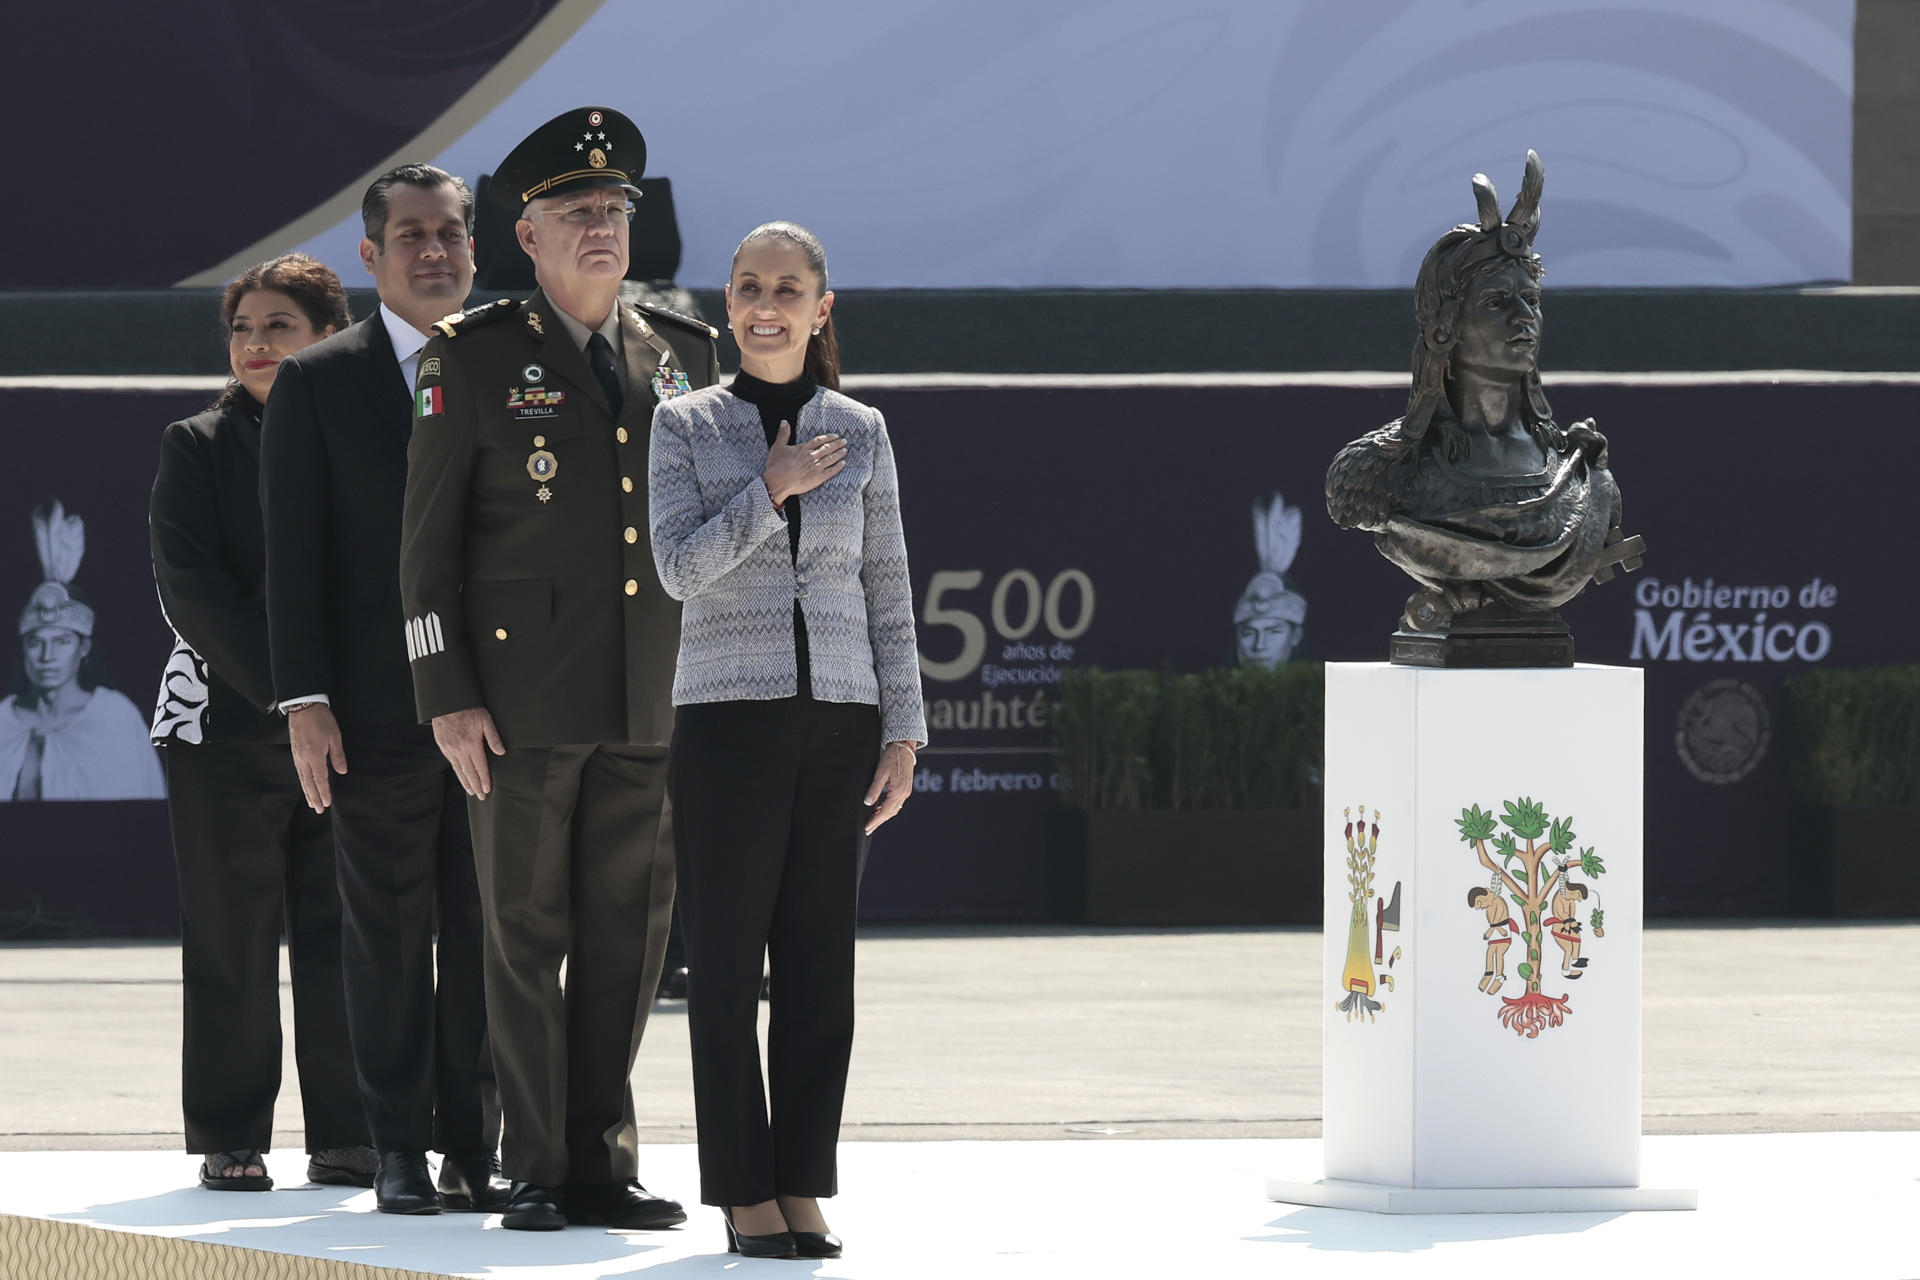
(474,317)
(701,327)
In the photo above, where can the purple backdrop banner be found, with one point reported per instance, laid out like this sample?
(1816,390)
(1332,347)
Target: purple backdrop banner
(225,123)
(106,864)
(1052,527)
(1116,527)
(996,144)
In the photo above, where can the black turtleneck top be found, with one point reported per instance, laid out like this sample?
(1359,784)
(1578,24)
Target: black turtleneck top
(780,402)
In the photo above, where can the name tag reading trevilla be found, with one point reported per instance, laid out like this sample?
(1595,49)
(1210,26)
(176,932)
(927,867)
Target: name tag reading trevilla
(535,402)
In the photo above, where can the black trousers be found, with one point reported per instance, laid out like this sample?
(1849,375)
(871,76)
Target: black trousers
(575,853)
(252,859)
(406,870)
(768,811)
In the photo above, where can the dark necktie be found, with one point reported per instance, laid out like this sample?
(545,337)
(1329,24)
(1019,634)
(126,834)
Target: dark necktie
(600,356)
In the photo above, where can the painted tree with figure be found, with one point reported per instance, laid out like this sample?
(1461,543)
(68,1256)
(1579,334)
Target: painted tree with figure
(1531,873)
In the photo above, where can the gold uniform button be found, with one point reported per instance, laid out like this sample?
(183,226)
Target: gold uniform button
(620,434)
(626,484)
(633,588)
(539,442)
(500,633)
(633,534)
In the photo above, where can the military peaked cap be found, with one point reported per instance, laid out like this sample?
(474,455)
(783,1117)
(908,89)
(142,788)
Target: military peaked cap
(585,147)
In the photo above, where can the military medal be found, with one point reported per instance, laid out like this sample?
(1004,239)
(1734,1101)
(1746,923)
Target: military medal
(666,381)
(542,466)
(669,382)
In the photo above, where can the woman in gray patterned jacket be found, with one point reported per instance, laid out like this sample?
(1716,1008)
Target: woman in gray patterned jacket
(776,518)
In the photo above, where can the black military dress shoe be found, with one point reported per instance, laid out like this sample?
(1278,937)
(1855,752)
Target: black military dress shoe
(403,1184)
(472,1184)
(621,1204)
(532,1207)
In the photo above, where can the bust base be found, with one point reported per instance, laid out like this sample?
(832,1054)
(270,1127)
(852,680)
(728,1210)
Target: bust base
(1368,1197)
(1493,637)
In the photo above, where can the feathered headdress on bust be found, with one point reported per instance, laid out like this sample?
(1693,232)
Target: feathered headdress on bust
(1276,537)
(61,540)
(1446,277)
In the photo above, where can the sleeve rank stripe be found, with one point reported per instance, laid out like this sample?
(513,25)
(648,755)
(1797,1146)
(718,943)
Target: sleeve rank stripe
(424,637)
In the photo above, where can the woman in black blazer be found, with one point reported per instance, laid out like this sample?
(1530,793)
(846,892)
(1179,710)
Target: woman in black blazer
(250,854)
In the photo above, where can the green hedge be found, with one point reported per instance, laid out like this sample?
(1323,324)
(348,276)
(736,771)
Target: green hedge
(1228,738)
(1857,735)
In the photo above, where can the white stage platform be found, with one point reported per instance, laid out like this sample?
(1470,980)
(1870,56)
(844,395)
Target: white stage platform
(1799,1205)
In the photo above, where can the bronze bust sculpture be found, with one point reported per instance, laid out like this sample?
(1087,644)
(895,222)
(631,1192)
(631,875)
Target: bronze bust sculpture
(1499,513)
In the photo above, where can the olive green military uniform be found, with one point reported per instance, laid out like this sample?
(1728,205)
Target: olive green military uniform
(529,589)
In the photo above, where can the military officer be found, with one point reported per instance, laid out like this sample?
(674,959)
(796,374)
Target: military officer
(543,650)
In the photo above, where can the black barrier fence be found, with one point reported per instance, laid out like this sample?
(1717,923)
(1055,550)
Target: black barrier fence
(1056,525)
(1103,331)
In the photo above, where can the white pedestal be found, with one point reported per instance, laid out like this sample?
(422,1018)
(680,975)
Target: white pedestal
(1446,1090)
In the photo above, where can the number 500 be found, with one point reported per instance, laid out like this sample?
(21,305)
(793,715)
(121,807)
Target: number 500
(1032,604)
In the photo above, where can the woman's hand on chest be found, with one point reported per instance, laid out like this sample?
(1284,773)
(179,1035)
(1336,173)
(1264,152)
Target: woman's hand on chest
(794,468)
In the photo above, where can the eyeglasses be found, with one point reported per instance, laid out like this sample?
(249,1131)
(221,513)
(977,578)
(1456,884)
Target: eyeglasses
(588,214)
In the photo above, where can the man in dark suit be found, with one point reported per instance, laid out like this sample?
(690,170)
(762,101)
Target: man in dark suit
(543,652)
(333,475)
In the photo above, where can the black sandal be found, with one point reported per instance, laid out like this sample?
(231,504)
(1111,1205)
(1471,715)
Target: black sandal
(216,1175)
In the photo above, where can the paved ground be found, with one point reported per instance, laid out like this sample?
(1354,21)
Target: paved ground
(1045,1033)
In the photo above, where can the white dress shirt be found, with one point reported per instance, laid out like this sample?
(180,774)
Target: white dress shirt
(407,342)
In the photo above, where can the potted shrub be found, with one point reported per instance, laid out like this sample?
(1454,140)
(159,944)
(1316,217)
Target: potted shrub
(1857,775)
(1190,799)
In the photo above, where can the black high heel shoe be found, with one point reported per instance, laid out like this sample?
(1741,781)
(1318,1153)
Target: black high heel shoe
(778,1245)
(815,1244)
